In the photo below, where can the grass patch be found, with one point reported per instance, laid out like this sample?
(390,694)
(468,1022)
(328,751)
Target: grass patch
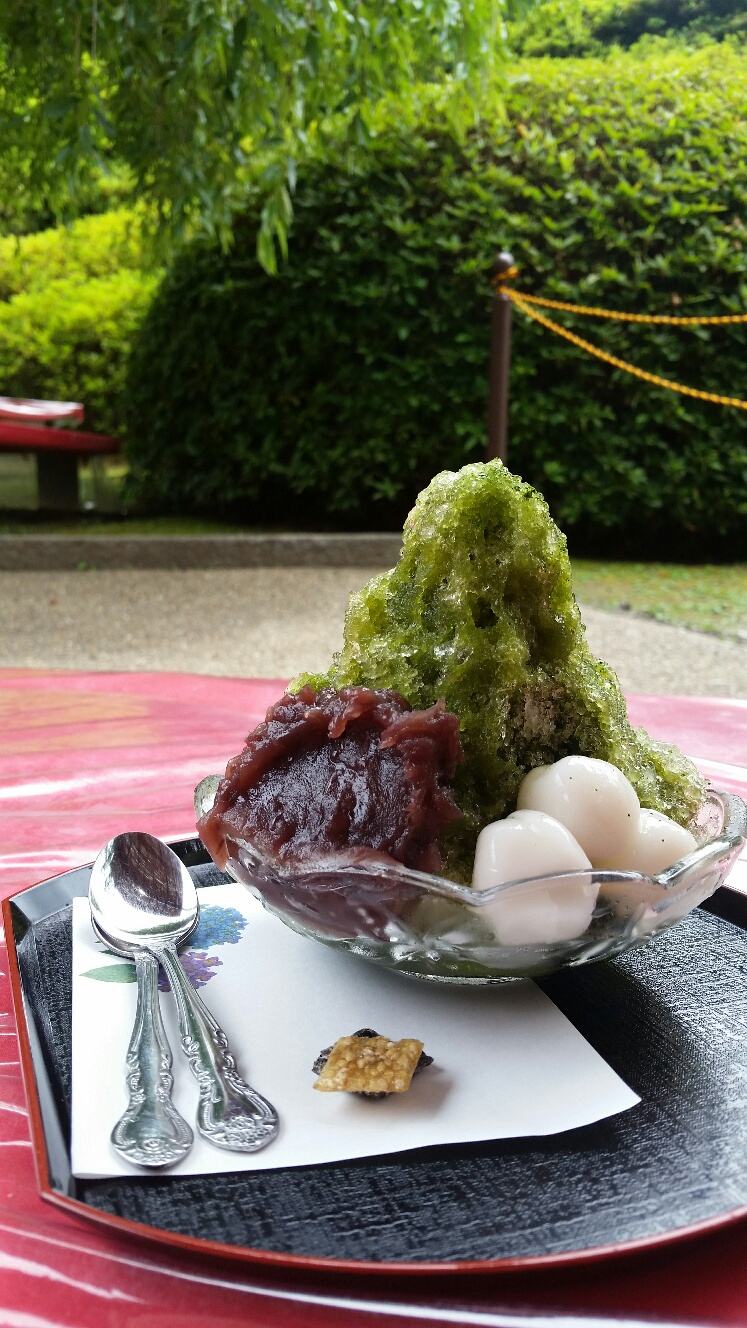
(707,599)
(119,527)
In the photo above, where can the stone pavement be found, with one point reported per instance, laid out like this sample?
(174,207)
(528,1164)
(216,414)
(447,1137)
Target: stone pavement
(274,622)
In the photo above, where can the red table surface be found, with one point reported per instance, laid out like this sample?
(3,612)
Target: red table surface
(84,756)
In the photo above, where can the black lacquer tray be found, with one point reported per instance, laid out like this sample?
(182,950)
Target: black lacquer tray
(671,1018)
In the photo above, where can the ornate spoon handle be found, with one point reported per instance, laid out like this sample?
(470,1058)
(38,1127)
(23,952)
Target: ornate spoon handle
(151,1132)
(230,1114)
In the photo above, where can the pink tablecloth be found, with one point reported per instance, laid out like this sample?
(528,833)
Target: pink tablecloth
(83,756)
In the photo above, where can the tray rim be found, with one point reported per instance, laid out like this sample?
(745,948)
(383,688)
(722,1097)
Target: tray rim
(269,1259)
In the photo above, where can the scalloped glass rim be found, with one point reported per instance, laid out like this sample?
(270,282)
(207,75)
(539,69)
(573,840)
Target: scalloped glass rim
(434,929)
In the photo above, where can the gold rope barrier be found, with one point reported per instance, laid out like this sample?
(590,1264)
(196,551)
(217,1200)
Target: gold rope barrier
(590,311)
(526,302)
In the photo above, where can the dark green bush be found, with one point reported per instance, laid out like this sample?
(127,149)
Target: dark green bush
(588,27)
(334,391)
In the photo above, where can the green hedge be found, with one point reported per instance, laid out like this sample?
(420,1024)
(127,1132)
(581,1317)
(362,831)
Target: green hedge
(70,302)
(588,27)
(97,246)
(334,391)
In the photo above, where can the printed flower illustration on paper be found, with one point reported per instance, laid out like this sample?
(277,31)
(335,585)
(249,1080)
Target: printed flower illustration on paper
(198,966)
(217,926)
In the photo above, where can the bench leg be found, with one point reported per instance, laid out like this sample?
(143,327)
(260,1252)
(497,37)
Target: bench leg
(57,481)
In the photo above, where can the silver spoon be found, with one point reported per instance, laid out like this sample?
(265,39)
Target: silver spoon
(143,900)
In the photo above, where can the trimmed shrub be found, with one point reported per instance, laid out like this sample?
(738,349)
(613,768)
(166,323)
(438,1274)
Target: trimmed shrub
(70,302)
(96,246)
(334,391)
(587,27)
(71,341)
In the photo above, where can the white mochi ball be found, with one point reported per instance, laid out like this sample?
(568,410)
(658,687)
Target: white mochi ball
(592,798)
(659,843)
(530,843)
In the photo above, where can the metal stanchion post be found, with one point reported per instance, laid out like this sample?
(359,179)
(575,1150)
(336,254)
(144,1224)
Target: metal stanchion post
(500,360)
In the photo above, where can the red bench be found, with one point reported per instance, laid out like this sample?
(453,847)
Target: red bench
(24,428)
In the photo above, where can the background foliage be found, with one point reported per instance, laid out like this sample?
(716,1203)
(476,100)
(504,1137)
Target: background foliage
(343,384)
(588,27)
(181,94)
(70,302)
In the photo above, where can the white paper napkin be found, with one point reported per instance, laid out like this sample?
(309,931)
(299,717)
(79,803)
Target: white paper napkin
(507,1063)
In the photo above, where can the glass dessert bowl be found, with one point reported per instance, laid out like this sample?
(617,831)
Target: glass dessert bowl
(431,928)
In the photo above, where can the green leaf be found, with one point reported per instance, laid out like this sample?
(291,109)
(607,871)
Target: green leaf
(112,973)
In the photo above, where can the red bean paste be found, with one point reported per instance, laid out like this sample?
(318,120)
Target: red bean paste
(354,774)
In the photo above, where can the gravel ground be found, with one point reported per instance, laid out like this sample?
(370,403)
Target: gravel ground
(274,622)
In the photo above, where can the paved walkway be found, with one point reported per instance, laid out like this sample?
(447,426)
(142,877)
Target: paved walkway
(274,622)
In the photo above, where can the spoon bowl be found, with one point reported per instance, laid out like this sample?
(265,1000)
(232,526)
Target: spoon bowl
(140,892)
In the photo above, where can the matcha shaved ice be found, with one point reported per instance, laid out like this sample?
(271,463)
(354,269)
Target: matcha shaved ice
(480,611)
